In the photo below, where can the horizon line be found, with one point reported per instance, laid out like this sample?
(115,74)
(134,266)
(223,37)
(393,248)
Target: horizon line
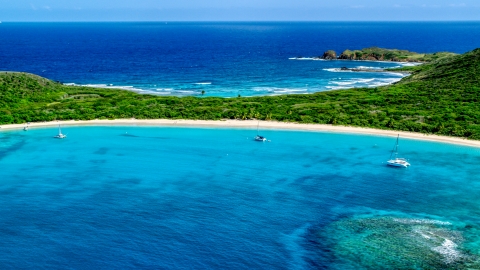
(233,21)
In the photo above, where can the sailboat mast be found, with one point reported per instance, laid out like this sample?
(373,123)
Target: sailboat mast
(396,147)
(258,123)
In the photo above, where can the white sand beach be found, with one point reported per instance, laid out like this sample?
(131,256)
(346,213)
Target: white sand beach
(249,124)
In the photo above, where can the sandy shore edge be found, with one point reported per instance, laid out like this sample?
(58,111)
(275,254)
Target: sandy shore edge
(249,124)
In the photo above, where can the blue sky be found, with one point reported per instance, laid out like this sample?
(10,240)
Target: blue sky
(239,10)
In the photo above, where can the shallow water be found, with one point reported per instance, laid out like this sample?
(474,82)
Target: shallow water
(183,198)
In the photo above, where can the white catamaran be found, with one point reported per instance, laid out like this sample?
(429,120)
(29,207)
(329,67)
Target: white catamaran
(258,137)
(397,162)
(60,135)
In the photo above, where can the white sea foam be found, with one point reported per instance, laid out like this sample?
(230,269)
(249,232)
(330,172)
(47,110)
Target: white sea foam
(343,82)
(389,80)
(290,91)
(96,85)
(366,67)
(390,62)
(164,91)
(109,86)
(336,70)
(426,236)
(278,90)
(185,92)
(449,251)
(306,58)
(203,83)
(410,64)
(365,80)
(337,87)
(397,74)
(360,82)
(382,82)
(420,221)
(263,89)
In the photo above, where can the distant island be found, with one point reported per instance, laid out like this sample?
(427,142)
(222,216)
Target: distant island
(380,54)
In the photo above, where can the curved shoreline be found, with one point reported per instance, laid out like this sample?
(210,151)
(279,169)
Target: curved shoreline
(250,124)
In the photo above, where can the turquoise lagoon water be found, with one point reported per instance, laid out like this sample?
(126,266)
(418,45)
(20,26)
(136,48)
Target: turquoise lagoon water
(189,198)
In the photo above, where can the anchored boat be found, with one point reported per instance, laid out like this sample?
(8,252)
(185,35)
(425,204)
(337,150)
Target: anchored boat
(258,137)
(60,135)
(397,162)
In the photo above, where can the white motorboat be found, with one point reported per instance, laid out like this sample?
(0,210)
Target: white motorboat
(397,162)
(60,135)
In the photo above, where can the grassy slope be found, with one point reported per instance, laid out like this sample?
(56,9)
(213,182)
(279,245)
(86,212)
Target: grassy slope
(441,97)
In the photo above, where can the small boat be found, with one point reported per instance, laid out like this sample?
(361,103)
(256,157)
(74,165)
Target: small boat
(60,135)
(397,162)
(259,138)
(25,128)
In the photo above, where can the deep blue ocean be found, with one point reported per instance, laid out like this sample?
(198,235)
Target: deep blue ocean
(222,59)
(190,198)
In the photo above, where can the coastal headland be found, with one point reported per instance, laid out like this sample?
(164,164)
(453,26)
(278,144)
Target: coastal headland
(381,54)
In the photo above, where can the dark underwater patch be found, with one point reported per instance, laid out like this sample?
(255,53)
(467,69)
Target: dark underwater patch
(11,149)
(101,151)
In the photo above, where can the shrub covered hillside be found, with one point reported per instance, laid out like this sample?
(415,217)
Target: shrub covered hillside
(441,97)
(375,54)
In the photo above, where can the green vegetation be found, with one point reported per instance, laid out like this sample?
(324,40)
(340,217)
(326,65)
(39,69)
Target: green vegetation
(441,97)
(381,54)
